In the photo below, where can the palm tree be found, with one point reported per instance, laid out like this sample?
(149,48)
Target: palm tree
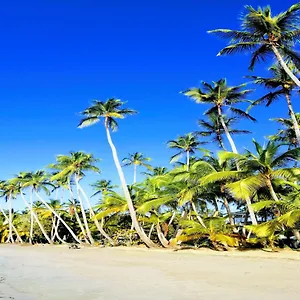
(157,171)
(102,186)
(288,134)
(74,166)
(111,110)
(9,190)
(219,95)
(39,181)
(186,144)
(283,85)
(213,128)
(263,34)
(21,178)
(136,159)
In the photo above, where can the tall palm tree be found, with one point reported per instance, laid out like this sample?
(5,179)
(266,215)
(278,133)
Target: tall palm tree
(263,34)
(287,134)
(136,159)
(213,128)
(9,190)
(283,85)
(74,166)
(187,145)
(220,95)
(21,178)
(111,110)
(38,181)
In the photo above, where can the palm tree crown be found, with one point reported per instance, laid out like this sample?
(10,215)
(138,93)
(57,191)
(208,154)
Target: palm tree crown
(109,110)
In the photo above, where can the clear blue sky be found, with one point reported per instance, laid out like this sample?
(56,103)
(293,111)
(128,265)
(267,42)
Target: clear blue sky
(58,55)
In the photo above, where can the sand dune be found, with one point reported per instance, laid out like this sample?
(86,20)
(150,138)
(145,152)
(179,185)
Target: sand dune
(55,272)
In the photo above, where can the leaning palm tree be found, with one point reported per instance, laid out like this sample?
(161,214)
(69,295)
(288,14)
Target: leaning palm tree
(263,34)
(187,145)
(283,85)
(287,134)
(111,110)
(213,128)
(220,95)
(136,159)
(38,181)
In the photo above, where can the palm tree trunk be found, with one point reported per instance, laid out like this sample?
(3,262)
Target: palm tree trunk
(31,217)
(187,160)
(284,65)
(56,234)
(87,229)
(101,230)
(132,211)
(162,237)
(10,223)
(55,213)
(76,215)
(293,118)
(227,207)
(36,219)
(251,211)
(197,214)
(14,228)
(134,173)
(53,228)
(230,140)
(151,230)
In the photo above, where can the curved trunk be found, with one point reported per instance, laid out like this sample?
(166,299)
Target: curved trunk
(271,190)
(101,230)
(293,118)
(251,211)
(227,207)
(151,229)
(36,219)
(132,211)
(134,174)
(197,214)
(86,225)
(162,237)
(284,65)
(77,216)
(61,220)
(230,140)
(13,227)
(56,234)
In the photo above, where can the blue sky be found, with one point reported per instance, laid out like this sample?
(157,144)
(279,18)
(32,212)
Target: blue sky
(57,56)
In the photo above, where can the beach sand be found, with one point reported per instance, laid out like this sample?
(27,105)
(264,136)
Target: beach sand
(56,272)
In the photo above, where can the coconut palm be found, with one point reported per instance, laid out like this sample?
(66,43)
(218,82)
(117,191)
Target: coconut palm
(19,180)
(9,190)
(220,95)
(111,110)
(157,171)
(102,186)
(263,34)
(136,159)
(39,181)
(287,134)
(187,145)
(74,166)
(283,85)
(213,128)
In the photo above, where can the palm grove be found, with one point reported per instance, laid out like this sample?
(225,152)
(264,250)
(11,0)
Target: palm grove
(220,200)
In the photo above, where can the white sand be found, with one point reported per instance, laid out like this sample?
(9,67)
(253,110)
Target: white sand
(55,272)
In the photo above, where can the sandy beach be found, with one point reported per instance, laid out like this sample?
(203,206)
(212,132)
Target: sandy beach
(56,272)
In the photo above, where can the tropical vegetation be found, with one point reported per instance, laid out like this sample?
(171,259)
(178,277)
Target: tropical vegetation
(230,198)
